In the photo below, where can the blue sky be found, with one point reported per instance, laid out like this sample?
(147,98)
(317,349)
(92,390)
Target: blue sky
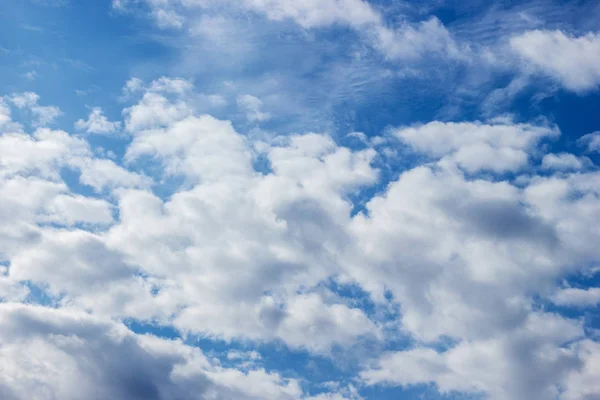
(279,199)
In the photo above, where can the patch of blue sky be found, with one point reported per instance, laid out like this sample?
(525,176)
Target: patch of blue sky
(71,177)
(76,51)
(589,314)
(421,391)
(39,295)
(313,371)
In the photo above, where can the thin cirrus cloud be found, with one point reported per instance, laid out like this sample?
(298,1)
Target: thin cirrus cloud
(208,243)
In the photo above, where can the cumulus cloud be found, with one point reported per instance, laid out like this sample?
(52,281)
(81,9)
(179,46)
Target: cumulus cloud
(44,115)
(563,161)
(459,252)
(154,109)
(71,355)
(42,153)
(592,141)
(104,173)
(303,262)
(578,297)
(476,146)
(69,210)
(582,384)
(104,276)
(97,123)
(252,106)
(573,61)
(528,363)
(4,113)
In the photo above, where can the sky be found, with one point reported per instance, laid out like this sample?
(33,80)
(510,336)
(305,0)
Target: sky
(299,200)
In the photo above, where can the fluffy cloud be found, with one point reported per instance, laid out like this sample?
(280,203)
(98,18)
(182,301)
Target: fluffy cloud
(577,297)
(582,384)
(252,106)
(530,362)
(4,113)
(69,210)
(285,258)
(42,153)
(592,141)
(563,161)
(146,264)
(152,110)
(97,123)
(50,353)
(573,61)
(49,241)
(43,115)
(477,147)
(234,252)
(104,173)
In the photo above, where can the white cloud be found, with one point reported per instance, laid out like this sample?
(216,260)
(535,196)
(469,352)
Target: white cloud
(416,41)
(252,106)
(40,153)
(573,61)
(44,115)
(26,99)
(409,41)
(314,13)
(196,146)
(592,141)
(476,146)
(69,210)
(154,109)
(98,123)
(72,262)
(99,270)
(239,254)
(577,297)
(30,76)
(243,355)
(72,355)
(525,364)
(349,392)
(133,85)
(302,322)
(5,115)
(563,161)
(10,290)
(218,161)
(583,384)
(308,14)
(165,85)
(103,173)
(167,18)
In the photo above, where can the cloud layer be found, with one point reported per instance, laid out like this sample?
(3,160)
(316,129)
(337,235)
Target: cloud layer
(326,200)
(237,253)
